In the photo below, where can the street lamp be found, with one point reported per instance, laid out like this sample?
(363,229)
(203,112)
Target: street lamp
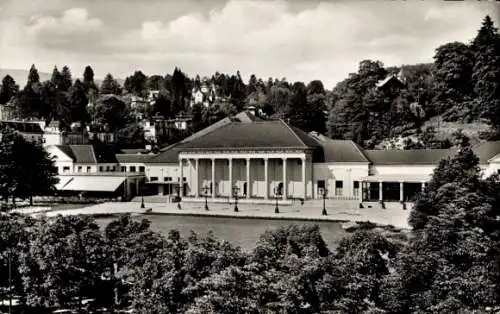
(324,192)
(205,193)
(142,198)
(235,195)
(276,195)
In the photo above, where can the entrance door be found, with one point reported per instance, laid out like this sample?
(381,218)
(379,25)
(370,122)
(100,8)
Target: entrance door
(245,188)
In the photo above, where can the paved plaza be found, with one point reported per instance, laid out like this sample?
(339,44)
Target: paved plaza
(337,210)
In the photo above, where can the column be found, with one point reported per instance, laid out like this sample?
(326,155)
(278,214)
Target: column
(401,191)
(197,175)
(181,177)
(380,191)
(304,184)
(285,184)
(230,167)
(423,187)
(369,191)
(266,178)
(362,187)
(249,189)
(213,177)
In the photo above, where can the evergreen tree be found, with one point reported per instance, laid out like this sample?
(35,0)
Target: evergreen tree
(33,76)
(110,86)
(56,77)
(88,81)
(8,89)
(66,80)
(486,71)
(180,90)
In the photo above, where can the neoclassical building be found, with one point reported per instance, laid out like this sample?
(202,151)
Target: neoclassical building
(259,160)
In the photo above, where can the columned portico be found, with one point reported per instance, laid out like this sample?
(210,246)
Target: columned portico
(392,188)
(256,174)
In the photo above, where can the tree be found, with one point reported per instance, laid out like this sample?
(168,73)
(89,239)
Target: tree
(136,84)
(56,77)
(28,102)
(8,89)
(450,262)
(65,79)
(110,86)
(486,71)
(155,82)
(453,74)
(27,169)
(111,112)
(130,136)
(179,90)
(75,248)
(33,76)
(78,102)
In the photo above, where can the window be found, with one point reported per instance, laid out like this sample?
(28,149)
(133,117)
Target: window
(153,179)
(184,179)
(88,169)
(123,169)
(65,169)
(321,187)
(79,168)
(339,186)
(107,168)
(498,171)
(132,168)
(167,179)
(355,191)
(141,169)
(100,169)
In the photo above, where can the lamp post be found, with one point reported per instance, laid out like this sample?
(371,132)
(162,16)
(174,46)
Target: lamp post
(205,193)
(142,198)
(177,190)
(324,192)
(276,195)
(235,195)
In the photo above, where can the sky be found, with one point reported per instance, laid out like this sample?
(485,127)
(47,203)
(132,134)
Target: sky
(300,40)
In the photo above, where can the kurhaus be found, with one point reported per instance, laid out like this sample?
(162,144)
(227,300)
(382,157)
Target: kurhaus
(258,160)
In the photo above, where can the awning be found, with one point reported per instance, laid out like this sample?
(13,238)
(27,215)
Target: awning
(410,178)
(62,182)
(93,184)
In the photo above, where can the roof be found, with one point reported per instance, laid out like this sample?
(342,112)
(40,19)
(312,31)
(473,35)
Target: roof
(89,154)
(132,158)
(486,150)
(169,155)
(246,117)
(340,150)
(389,78)
(208,129)
(133,151)
(255,135)
(408,157)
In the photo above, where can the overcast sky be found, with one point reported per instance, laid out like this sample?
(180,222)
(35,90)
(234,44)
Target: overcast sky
(300,40)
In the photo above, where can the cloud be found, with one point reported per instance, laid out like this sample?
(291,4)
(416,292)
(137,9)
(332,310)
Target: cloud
(324,41)
(294,39)
(72,21)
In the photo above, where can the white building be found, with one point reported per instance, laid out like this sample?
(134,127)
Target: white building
(93,170)
(259,160)
(264,158)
